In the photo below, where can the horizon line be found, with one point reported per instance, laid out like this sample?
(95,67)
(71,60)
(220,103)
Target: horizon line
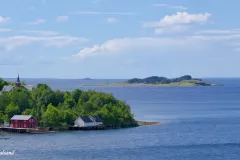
(112,78)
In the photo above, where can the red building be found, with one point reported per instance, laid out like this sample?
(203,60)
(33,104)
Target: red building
(23,121)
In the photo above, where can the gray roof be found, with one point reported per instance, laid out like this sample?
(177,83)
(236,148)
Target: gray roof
(28,87)
(21,117)
(9,88)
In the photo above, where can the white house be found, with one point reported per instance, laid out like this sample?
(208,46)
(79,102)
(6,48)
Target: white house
(88,121)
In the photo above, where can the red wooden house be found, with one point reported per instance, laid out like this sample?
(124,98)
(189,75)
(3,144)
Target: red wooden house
(23,121)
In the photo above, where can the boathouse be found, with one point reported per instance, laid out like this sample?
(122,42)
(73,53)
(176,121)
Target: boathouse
(23,121)
(88,121)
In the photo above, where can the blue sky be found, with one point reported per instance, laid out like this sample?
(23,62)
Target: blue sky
(119,39)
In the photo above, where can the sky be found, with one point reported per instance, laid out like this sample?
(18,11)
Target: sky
(119,39)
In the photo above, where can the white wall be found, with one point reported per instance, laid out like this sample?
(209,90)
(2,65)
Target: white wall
(78,122)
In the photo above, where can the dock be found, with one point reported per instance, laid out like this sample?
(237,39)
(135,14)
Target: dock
(86,128)
(24,130)
(14,130)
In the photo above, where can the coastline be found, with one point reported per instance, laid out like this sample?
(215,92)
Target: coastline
(64,129)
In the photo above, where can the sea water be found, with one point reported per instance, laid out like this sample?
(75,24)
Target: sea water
(196,123)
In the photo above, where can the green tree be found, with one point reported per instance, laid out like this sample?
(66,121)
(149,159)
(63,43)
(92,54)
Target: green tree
(76,95)
(2,118)
(51,117)
(11,110)
(20,97)
(2,83)
(27,112)
(4,101)
(67,117)
(59,97)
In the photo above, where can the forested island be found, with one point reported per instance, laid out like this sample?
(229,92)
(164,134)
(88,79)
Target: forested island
(185,80)
(54,108)
(87,79)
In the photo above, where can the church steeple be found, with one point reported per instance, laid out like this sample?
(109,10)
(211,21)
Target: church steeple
(18,83)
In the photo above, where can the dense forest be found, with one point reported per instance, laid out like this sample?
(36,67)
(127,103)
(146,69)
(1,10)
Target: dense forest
(161,80)
(54,108)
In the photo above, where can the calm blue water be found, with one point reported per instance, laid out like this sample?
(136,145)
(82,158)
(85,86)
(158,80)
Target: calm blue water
(196,123)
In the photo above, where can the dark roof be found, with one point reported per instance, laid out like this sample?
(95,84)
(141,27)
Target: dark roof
(86,118)
(98,118)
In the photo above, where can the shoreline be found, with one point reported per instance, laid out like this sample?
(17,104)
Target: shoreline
(65,129)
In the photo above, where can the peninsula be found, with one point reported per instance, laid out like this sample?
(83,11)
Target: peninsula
(57,109)
(185,80)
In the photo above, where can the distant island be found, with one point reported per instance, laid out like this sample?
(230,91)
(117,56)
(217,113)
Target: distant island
(87,79)
(185,80)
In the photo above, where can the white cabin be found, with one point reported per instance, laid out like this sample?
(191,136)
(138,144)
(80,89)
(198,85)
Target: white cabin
(88,121)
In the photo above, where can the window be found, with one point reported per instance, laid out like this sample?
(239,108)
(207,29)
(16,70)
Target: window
(24,125)
(24,121)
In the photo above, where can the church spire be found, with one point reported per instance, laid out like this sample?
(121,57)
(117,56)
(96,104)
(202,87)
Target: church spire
(18,79)
(18,83)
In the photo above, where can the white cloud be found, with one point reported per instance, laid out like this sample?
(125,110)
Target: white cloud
(134,45)
(112,20)
(10,43)
(62,18)
(178,22)
(170,6)
(233,31)
(180,18)
(4,19)
(148,45)
(38,21)
(104,13)
(5,30)
(217,37)
(42,32)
